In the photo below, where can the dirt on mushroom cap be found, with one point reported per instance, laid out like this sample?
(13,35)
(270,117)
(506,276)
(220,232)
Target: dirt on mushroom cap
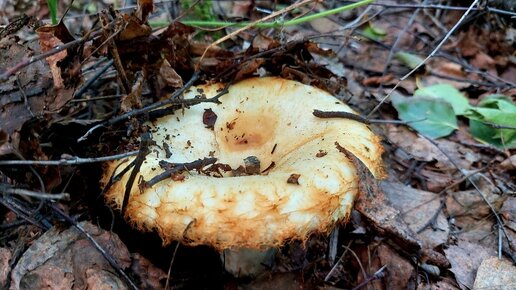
(270,118)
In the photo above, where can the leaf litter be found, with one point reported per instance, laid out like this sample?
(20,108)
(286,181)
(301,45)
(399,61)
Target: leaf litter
(434,223)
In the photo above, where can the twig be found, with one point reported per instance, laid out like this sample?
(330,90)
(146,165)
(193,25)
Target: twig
(113,51)
(433,220)
(332,271)
(396,42)
(498,126)
(105,254)
(344,115)
(71,161)
(446,37)
(358,118)
(177,168)
(153,106)
(90,81)
(250,25)
(23,212)
(170,265)
(377,275)
(39,195)
(145,142)
(24,95)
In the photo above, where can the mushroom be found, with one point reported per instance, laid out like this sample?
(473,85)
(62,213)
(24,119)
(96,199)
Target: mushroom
(304,183)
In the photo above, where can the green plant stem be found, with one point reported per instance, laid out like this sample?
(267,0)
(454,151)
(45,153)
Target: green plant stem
(52,8)
(279,24)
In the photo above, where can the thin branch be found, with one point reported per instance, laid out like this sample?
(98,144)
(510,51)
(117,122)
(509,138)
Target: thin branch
(71,161)
(177,168)
(171,100)
(446,37)
(90,81)
(170,265)
(358,118)
(145,142)
(35,194)
(250,25)
(377,275)
(22,211)
(498,126)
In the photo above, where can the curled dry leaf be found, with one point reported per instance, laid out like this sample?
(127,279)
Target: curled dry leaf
(252,211)
(50,37)
(63,259)
(27,95)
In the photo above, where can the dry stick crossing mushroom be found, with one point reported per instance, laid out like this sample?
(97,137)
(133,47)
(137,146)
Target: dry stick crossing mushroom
(268,119)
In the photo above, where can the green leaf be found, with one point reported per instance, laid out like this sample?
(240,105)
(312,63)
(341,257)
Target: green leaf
(408,59)
(500,102)
(447,93)
(439,118)
(494,110)
(374,32)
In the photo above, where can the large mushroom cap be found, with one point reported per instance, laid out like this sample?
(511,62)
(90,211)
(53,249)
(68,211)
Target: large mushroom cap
(310,187)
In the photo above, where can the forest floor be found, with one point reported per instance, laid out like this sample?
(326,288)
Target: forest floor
(442,78)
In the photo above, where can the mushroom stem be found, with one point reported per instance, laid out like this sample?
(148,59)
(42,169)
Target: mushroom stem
(245,262)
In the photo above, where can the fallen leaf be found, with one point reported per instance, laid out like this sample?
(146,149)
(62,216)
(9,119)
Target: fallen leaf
(66,258)
(417,208)
(408,59)
(497,110)
(27,95)
(431,117)
(384,218)
(465,258)
(51,36)
(374,32)
(150,276)
(385,80)
(399,270)
(447,93)
(168,76)
(421,149)
(262,42)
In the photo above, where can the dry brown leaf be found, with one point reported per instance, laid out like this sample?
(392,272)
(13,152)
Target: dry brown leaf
(387,79)
(65,258)
(465,258)
(399,270)
(134,29)
(168,76)
(384,218)
(262,42)
(37,99)
(50,37)
(423,150)
(145,7)
(150,276)
(417,208)
(508,213)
